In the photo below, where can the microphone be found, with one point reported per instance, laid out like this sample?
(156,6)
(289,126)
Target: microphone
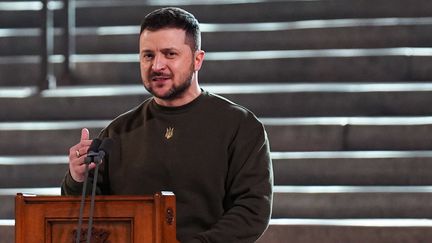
(93,151)
(104,148)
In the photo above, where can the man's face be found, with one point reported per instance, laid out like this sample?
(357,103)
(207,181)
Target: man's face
(167,63)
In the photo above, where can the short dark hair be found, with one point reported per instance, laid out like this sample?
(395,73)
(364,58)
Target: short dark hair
(172,17)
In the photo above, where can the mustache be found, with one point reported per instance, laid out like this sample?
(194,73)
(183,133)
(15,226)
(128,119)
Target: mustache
(160,75)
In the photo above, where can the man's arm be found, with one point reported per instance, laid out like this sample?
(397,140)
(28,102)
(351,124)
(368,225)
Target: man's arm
(249,188)
(73,181)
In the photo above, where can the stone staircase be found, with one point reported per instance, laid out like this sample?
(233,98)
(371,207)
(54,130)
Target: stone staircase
(343,88)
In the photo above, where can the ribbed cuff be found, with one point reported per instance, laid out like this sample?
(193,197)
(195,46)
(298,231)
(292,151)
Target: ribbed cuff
(73,187)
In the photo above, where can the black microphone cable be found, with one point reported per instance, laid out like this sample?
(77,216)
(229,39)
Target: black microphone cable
(104,149)
(91,152)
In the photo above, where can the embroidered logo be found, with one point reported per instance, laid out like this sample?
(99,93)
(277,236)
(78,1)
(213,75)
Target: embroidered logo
(169,132)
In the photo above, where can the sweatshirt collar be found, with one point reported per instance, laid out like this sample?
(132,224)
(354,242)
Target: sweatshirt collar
(178,109)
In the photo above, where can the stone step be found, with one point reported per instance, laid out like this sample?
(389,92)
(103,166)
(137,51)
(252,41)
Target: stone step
(293,100)
(44,138)
(285,134)
(348,134)
(7,197)
(322,230)
(310,201)
(352,202)
(318,34)
(32,171)
(353,168)
(131,12)
(290,168)
(308,34)
(352,65)
(7,231)
(348,230)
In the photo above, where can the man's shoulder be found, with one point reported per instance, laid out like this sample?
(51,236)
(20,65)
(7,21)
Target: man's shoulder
(130,119)
(225,105)
(233,113)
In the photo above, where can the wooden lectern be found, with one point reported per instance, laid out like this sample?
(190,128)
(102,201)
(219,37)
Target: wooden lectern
(116,219)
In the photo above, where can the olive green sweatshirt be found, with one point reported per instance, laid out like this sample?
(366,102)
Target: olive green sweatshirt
(213,154)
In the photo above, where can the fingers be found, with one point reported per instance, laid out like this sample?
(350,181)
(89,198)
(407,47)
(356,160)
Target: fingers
(78,171)
(80,150)
(77,154)
(85,134)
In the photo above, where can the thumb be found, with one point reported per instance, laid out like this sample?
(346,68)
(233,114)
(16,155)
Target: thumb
(85,134)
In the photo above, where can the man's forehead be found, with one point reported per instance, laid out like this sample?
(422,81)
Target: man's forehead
(164,38)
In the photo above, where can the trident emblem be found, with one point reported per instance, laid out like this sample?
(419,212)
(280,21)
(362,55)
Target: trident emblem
(169,132)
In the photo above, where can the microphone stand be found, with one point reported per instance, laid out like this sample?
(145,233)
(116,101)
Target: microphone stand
(90,158)
(98,160)
(80,219)
(96,155)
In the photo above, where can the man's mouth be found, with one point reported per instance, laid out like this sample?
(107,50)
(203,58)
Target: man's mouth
(160,78)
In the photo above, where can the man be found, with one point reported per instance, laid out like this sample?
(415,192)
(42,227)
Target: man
(213,154)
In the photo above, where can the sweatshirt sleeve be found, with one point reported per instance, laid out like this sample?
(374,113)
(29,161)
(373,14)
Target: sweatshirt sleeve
(249,186)
(71,187)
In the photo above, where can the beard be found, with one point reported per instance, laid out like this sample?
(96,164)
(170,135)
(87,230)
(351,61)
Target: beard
(176,90)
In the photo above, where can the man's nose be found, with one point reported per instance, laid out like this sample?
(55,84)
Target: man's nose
(158,63)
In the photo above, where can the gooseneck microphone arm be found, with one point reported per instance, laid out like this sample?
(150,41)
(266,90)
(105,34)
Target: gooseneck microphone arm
(80,218)
(90,222)
(91,152)
(104,149)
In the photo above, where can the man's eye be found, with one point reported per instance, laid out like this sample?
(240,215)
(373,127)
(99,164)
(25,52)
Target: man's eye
(171,54)
(147,56)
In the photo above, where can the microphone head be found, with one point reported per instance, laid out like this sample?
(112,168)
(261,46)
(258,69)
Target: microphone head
(94,146)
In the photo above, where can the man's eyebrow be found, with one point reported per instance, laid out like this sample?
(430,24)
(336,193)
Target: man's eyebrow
(162,50)
(169,49)
(146,50)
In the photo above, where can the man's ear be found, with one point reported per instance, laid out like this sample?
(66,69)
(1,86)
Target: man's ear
(198,60)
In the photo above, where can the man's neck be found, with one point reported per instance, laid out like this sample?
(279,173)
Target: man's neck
(188,96)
